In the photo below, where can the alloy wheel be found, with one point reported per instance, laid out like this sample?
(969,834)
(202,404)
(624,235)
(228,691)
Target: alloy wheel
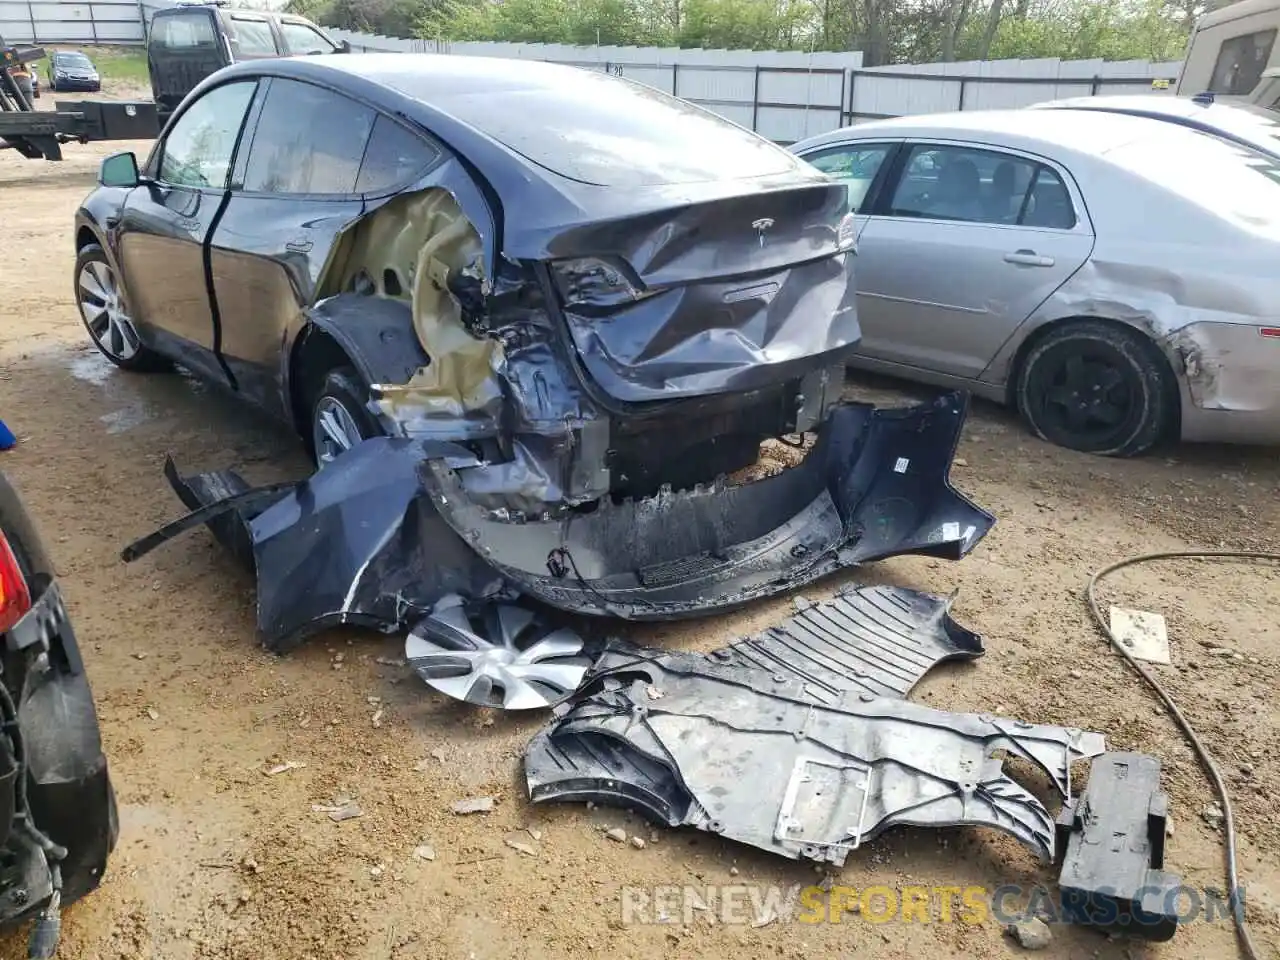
(334,430)
(104,313)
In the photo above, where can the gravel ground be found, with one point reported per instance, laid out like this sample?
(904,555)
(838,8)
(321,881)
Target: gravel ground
(218,859)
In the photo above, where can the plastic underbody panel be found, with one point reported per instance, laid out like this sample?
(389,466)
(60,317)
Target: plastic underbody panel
(810,714)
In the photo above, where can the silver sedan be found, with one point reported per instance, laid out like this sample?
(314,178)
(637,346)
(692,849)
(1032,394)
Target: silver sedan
(1114,278)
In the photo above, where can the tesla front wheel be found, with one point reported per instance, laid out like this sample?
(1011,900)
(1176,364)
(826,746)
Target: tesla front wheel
(1097,388)
(105,313)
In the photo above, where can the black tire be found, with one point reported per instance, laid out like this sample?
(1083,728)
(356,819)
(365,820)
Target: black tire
(69,786)
(341,386)
(1098,388)
(143,359)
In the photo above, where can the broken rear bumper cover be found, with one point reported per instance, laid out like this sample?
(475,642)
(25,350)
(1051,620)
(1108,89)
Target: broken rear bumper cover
(388,528)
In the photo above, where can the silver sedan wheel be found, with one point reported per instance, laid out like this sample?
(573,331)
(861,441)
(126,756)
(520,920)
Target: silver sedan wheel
(333,430)
(103,310)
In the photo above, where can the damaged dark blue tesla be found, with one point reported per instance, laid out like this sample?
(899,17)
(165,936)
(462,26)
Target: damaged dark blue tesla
(536,324)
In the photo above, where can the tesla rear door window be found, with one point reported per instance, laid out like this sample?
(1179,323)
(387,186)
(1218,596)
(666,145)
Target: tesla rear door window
(394,155)
(308,140)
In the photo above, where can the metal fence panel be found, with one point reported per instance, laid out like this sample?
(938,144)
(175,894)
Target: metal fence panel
(84,21)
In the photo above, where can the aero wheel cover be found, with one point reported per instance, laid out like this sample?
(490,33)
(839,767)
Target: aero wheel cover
(496,655)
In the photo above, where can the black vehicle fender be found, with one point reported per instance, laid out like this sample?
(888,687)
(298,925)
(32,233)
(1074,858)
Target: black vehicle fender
(375,335)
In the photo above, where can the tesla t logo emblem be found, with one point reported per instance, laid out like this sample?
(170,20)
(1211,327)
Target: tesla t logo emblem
(761,225)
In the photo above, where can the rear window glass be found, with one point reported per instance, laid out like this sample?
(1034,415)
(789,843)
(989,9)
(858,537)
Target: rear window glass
(181,31)
(1253,124)
(1230,181)
(1241,61)
(602,130)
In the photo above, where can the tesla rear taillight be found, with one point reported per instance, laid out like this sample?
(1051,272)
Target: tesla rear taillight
(15,597)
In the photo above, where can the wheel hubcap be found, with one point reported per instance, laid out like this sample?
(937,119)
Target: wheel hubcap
(103,311)
(334,430)
(496,655)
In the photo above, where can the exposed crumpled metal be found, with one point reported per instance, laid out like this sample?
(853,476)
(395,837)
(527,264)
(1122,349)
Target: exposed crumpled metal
(797,740)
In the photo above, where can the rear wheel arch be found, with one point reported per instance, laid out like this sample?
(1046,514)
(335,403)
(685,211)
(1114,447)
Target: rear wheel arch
(1141,337)
(315,353)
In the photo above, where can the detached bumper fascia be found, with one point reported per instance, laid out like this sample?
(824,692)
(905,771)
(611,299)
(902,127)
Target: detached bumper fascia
(875,485)
(379,535)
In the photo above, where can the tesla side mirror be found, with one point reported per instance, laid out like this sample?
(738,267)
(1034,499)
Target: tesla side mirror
(345,46)
(119,170)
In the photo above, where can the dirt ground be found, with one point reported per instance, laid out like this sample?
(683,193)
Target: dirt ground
(217,859)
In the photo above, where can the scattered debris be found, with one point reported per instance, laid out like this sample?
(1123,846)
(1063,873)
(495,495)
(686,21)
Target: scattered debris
(339,810)
(637,842)
(1114,838)
(376,871)
(424,851)
(1031,934)
(1144,635)
(389,661)
(284,767)
(377,718)
(534,832)
(153,713)
(616,833)
(1213,815)
(717,727)
(520,846)
(472,805)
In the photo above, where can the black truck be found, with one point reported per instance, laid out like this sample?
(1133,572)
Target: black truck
(185,44)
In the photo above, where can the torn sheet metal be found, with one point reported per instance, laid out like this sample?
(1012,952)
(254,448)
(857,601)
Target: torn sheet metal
(1143,634)
(390,527)
(810,715)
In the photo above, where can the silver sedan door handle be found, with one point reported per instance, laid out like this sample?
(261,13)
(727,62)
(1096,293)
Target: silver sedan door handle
(1028,258)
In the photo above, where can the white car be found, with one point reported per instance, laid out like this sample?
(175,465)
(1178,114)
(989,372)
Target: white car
(1243,123)
(1113,277)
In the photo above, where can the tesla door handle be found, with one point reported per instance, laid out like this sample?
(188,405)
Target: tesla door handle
(1028,258)
(299,245)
